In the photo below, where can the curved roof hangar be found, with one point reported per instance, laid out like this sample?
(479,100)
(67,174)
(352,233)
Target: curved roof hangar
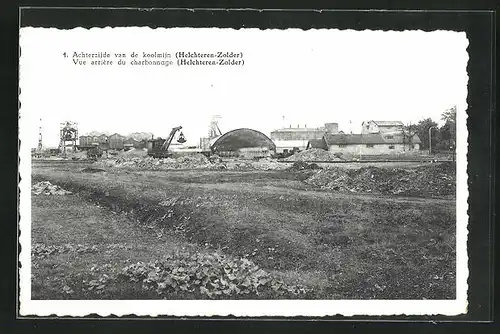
(242,138)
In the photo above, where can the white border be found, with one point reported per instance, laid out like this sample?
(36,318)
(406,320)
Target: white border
(241,308)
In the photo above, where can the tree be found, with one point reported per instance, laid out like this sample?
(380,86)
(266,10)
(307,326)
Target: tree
(423,132)
(448,130)
(409,132)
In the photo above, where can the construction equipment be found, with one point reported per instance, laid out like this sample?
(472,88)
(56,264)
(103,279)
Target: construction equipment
(158,148)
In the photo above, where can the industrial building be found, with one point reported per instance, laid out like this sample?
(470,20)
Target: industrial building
(244,143)
(131,143)
(116,141)
(382,127)
(297,139)
(366,144)
(113,142)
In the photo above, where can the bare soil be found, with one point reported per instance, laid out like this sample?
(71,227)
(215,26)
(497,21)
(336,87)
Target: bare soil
(340,245)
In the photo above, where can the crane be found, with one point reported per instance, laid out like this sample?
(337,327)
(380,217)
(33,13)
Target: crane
(167,142)
(159,149)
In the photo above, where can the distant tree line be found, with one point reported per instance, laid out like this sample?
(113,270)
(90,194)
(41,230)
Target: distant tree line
(443,138)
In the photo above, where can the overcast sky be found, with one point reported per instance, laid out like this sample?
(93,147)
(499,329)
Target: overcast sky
(289,77)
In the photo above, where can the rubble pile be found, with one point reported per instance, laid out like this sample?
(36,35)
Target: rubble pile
(47,188)
(301,165)
(263,164)
(314,154)
(135,152)
(82,155)
(432,179)
(188,161)
(191,161)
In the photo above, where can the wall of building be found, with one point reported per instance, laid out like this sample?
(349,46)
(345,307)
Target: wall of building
(363,149)
(116,142)
(289,145)
(392,128)
(254,152)
(332,127)
(297,134)
(84,141)
(371,127)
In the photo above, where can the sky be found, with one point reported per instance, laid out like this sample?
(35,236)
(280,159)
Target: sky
(290,77)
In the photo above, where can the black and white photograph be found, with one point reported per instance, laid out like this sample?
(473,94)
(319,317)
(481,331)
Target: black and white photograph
(208,171)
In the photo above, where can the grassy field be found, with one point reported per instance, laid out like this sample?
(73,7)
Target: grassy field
(335,245)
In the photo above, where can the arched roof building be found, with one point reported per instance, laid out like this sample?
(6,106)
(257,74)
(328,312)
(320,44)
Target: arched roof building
(242,138)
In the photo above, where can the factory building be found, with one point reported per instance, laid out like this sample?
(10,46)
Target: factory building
(130,142)
(296,139)
(113,142)
(116,141)
(382,127)
(243,143)
(84,141)
(88,141)
(367,144)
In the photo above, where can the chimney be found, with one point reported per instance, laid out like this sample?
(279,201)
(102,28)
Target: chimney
(332,127)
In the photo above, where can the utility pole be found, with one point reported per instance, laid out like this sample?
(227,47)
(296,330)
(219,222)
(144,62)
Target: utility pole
(430,138)
(40,145)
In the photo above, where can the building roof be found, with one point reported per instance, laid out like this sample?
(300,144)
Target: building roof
(116,135)
(388,123)
(317,143)
(242,138)
(371,138)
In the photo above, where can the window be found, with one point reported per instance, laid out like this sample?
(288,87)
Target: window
(389,137)
(369,145)
(391,147)
(342,145)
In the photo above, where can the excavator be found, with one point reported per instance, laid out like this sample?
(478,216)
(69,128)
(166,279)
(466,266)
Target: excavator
(158,148)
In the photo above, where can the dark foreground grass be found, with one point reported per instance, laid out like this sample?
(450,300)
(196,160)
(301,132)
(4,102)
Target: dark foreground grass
(341,246)
(82,251)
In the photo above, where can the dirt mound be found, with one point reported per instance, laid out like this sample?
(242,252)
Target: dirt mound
(314,154)
(135,152)
(190,161)
(301,165)
(47,188)
(82,155)
(429,180)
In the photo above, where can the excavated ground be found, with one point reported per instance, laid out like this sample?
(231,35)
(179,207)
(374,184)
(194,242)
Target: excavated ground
(339,244)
